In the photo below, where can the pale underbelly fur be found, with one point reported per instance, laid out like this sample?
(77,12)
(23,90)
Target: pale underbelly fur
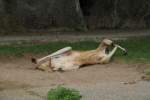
(65,62)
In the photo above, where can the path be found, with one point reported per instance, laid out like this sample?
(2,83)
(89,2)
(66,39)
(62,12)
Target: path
(72,36)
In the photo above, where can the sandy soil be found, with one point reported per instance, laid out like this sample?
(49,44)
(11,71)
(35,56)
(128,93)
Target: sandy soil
(19,73)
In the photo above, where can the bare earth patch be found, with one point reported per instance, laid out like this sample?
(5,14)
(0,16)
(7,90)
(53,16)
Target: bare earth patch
(20,81)
(20,73)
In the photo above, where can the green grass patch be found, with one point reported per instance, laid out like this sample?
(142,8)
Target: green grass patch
(19,50)
(62,93)
(138,48)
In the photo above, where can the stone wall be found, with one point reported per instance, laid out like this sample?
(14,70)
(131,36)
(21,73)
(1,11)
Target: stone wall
(25,15)
(120,14)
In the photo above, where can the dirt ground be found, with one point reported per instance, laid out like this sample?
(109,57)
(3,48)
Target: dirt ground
(19,80)
(19,73)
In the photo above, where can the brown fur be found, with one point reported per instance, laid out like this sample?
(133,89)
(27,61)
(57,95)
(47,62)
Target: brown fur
(75,59)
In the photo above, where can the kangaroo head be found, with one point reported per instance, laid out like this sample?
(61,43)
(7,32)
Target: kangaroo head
(107,42)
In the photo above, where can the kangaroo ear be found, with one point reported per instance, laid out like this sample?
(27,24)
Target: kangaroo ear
(33,60)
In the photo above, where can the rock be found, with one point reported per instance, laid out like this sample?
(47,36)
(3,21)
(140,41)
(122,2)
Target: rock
(27,15)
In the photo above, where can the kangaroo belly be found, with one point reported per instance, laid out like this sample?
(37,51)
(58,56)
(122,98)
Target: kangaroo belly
(65,62)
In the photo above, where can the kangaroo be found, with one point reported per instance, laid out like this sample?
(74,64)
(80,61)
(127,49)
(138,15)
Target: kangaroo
(68,59)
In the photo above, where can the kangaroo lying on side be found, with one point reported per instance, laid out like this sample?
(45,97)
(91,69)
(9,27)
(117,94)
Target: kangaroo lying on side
(68,59)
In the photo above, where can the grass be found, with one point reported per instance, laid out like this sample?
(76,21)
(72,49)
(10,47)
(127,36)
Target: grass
(19,50)
(62,93)
(138,48)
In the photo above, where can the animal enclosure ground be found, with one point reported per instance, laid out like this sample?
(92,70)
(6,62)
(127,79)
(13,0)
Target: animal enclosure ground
(19,73)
